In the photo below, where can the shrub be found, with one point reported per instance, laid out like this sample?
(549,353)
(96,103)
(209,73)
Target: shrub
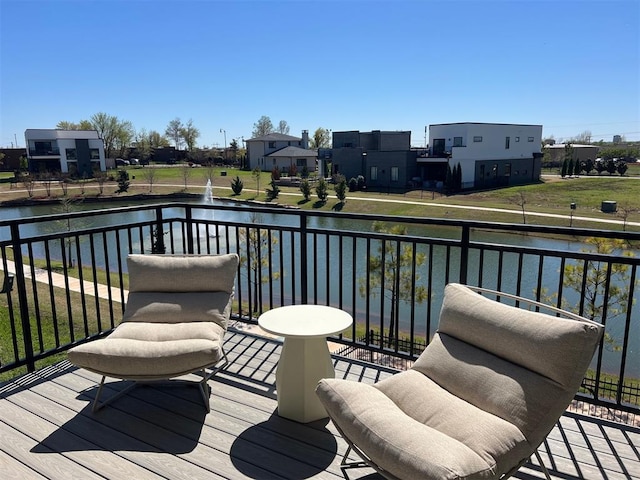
(341,188)
(305,188)
(353,184)
(275,173)
(123,181)
(274,191)
(322,190)
(237,186)
(361,183)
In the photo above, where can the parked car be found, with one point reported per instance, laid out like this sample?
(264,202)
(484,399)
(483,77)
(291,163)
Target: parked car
(121,162)
(134,161)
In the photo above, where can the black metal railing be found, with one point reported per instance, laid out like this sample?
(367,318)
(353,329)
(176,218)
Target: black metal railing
(388,272)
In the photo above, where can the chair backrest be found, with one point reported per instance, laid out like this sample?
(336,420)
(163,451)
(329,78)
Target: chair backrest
(181,288)
(520,365)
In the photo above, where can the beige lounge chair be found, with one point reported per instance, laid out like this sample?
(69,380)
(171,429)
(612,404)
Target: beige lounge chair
(174,322)
(479,400)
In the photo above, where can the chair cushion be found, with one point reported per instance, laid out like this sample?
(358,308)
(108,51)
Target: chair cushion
(413,428)
(182,273)
(147,351)
(166,307)
(560,349)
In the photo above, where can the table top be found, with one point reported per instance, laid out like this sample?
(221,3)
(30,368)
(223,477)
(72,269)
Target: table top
(305,321)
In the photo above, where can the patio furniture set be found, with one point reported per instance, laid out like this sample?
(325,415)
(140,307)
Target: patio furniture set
(476,404)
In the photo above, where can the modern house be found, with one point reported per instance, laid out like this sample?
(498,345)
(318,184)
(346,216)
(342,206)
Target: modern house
(384,158)
(284,152)
(76,152)
(489,154)
(555,154)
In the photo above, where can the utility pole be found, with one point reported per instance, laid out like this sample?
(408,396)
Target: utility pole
(222,130)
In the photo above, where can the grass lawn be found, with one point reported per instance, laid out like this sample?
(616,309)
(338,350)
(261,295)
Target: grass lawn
(553,195)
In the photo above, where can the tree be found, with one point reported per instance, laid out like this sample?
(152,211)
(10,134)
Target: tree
(587,166)
(594,276)
(150,175)
(174,132)
(322,190)
(156,140)
(621,167)
(124,136)
(570,167)
(283,127)
(233,146)
(341,188)
(190,134)
(237,186)
(256,173)
(185,170)
(393,272)
(521,201)
(610,166)
(565,166)
(262,127)
(114,133)
(143,145)
(274,191)
(123,181)
(305,188)
(321,139)
(255,247)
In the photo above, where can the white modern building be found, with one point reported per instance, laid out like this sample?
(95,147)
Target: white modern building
(285,152)
(489,154)
(76,152)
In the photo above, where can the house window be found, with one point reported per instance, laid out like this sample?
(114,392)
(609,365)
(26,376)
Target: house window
(272,144)
(71,154)
(94,153)
(477,139)
(457,141)
(394,174)
(507,141)
(374,173)
(530,139)
(517,139)
(301,162)
(507,170)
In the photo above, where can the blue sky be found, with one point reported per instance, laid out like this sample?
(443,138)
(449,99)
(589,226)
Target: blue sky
(571,66)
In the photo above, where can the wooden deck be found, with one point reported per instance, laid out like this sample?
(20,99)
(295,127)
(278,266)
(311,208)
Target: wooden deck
(47,429)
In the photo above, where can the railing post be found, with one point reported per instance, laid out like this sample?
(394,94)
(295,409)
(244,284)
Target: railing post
(22,297)
(464,253)
(189,219)
(303,258)
(157,240)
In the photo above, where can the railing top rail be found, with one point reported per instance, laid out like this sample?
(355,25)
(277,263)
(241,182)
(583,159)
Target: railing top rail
(250,207)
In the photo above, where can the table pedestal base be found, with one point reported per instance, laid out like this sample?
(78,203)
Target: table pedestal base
(303,362)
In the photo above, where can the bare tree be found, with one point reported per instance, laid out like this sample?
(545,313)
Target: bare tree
(283,127)
(521,201)
(150,176)
(185,170)
(321,138)
(190,134)
(174,132)
(262,127)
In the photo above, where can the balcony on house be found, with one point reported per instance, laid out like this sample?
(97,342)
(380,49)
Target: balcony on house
(70,284)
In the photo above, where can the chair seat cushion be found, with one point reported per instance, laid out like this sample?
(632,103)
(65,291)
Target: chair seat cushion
(413,428)
(148,351)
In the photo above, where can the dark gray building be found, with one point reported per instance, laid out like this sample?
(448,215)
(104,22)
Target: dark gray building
(384,159)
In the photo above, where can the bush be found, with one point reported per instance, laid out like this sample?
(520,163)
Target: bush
(123,181)
(341,188)
(274,191)
(305,188)
(275,173)
(237,186)
(353,184)
(322,190)
(361,183)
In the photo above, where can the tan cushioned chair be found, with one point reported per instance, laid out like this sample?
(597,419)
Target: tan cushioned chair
(174,321)
(479,400)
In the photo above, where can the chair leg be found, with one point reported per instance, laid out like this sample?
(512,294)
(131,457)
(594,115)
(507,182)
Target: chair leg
(97,406)
(543,466)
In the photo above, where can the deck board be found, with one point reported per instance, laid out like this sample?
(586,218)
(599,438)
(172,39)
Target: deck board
(47,429)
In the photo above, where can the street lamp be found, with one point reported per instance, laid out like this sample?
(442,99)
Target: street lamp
(222,130)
